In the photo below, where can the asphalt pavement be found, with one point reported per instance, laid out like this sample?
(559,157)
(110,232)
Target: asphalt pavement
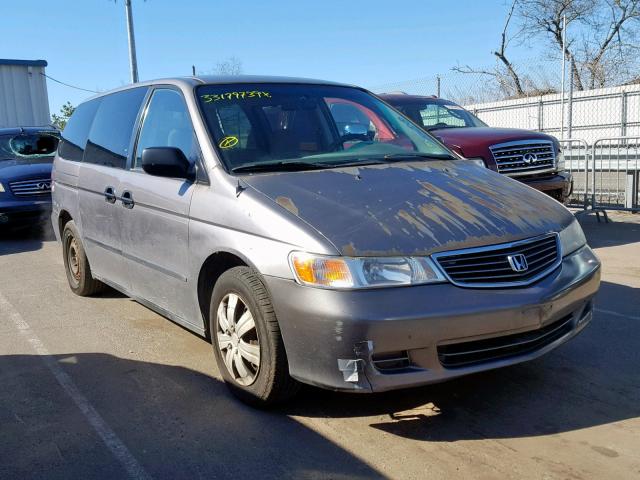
(103,387)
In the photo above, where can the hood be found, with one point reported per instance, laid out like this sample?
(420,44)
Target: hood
(475,141)
(413,208)
(18,168)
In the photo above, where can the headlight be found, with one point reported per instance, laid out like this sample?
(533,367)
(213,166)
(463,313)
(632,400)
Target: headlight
(560,160)
(572,238)
(1,188)
(478,161)
(362,272)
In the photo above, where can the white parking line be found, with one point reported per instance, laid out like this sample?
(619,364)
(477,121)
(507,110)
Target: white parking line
(108,436)
(618,314)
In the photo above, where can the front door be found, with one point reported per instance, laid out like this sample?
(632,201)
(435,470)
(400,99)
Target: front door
(155,236)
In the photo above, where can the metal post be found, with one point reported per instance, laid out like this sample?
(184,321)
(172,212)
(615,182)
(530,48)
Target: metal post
(438,86)
(570,106)
(623,114)
(541,115)
(564,66)
(193,70)
(133,62)
(631,190)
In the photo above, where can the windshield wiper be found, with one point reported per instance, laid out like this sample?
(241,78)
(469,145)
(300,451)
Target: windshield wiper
(399,157)
(281,166)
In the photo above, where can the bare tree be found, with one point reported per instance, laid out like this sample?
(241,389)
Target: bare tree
(603,47)
(229,66)
(504,73)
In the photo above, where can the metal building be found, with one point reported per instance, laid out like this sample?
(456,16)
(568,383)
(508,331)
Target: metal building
(23,93)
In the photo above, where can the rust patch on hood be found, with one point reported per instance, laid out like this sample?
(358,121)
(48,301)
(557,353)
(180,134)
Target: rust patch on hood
(413,209)
(286,202)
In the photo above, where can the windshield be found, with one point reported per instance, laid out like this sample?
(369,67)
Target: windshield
(263,126)
(441,114)
(27,146)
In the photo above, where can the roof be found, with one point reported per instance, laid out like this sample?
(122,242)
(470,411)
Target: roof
(403,98)
(221,80)
(18,130)
(24,63)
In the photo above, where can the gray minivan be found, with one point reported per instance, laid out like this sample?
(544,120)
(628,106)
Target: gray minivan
(308,246)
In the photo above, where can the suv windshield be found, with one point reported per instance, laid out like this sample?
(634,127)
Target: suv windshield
(440,114)
(294,126)
(28,146)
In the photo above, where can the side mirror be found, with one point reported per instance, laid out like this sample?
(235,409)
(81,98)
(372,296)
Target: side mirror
(166,162)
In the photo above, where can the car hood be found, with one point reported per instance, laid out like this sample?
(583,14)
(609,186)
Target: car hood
(413,208)
(34,167)
(476,138)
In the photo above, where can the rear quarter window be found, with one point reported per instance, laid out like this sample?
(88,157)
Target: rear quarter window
(75,134)
(112,128)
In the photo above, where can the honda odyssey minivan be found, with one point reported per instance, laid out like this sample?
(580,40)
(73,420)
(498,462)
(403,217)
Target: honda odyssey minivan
(309,249)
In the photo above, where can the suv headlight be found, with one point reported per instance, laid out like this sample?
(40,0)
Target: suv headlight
(1,188)
(337,272)
(572,238)
(560,160)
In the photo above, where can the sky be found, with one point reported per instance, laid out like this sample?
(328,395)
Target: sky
(364,43)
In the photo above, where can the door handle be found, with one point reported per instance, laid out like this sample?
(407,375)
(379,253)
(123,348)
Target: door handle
(127,199)
(110,195)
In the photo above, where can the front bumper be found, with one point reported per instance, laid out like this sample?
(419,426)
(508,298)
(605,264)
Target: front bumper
(15,213)
(559,185)
(332,337)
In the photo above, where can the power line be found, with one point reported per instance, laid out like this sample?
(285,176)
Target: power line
(66,84)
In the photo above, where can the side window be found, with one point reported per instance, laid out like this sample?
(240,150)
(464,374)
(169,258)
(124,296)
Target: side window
(112,128)
(167,124)
(76,133)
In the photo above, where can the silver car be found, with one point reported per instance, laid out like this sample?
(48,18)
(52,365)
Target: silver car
(314,234)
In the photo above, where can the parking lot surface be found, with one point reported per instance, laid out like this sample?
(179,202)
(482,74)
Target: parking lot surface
(104,388)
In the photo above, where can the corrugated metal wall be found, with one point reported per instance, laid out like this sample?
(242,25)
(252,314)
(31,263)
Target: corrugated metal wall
(23,96)
(606,112)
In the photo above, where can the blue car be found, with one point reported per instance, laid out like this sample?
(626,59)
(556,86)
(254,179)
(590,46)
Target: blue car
(26,158)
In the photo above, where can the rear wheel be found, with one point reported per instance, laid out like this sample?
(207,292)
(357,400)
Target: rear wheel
(246,339)
(76,263)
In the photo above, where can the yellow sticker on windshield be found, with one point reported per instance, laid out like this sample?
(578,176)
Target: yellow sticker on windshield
(210,98)
(228,142)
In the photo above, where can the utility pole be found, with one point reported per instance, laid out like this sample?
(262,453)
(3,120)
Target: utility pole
(133,61)
(564,66)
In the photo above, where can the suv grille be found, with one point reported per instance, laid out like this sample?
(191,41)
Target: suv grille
(31,187)
(497,265)
(524,157)
(470,353)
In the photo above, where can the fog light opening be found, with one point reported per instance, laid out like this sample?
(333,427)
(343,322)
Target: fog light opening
(391,361)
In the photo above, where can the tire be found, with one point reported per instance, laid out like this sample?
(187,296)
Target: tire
(267,380)
(76,264)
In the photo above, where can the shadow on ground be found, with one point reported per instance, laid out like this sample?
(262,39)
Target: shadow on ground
(591,380)
(622,229)
(177,422)
(26,239)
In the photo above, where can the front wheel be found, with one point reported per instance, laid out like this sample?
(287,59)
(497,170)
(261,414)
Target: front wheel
(246,339)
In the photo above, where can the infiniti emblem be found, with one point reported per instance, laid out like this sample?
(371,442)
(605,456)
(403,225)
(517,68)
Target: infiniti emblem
(529,158)
(44,186)
(518,262)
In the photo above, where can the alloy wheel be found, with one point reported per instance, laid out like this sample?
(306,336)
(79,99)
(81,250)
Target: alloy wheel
(238,340)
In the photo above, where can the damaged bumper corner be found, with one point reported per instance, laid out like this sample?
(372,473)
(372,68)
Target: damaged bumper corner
(384,339)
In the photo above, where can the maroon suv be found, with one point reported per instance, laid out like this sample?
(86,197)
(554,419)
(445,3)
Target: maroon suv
(531,157)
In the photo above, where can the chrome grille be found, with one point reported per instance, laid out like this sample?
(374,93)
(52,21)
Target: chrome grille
(487,267)
(26,188)
(524,157)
